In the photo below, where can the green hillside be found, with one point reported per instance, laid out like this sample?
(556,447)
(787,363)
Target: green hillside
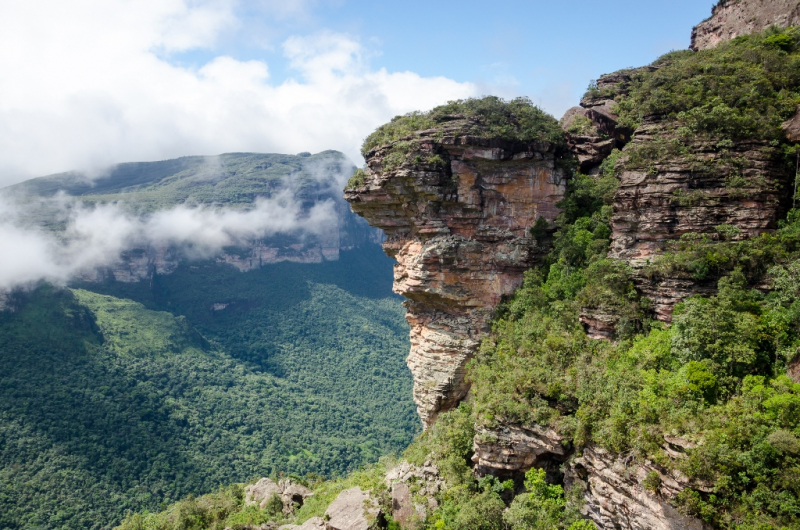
(231,179)
(110,405)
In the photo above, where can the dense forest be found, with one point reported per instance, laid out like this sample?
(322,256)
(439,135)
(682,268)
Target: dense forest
(120,397)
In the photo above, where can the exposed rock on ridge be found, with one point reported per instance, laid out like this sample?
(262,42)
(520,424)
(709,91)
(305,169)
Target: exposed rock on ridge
(456,213)
(731,18)
(740,185)
(617,495)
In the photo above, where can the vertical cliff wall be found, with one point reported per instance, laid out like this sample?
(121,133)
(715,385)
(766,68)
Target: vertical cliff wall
(457,210)
(731,18)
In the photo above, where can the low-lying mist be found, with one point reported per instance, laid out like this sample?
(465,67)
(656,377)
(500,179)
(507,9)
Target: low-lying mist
(96,236)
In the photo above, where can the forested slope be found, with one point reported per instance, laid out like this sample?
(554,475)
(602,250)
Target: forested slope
(109,405)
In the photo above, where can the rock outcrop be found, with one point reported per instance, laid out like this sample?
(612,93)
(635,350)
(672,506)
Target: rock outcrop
(456,211)
(731,18)
(413,492)
(740,184)
(354,509)
(624,495)
(349,232)
(508,451)
(291,495)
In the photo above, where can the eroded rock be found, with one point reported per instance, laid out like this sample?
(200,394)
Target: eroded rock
(731,18)
(315,523)
(354,509)
(291,494)
(456,213)
(625,495)
(414,492)
(740,184)
(508,451)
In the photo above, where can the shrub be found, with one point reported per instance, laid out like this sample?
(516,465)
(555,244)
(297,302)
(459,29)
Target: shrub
(490,117)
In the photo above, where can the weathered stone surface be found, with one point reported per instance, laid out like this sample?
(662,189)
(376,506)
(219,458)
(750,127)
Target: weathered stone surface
(742,185)
(793,370)
(414,492)
(315,523)
(598,324)
(617,498)
(292,495)
(353,509)
(791,127)
(459,230)
(260,492)
(585,138)
(508,451)
(731,18)
(348,232)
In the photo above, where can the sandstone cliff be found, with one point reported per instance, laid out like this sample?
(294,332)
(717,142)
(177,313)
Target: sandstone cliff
(457,212)
(731,18)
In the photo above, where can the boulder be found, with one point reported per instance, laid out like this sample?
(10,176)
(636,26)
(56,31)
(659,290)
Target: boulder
(414,492)
(260,492)
(353,509)
(315,523)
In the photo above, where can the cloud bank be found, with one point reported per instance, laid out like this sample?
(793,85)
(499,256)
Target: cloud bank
(90,83)
(97,236)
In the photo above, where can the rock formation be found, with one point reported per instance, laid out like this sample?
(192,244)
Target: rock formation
(456,213)
(291,495)
(731,18)
(509,451)
(140,264)
(354,509)
(741,185)
(621,494)
(413,492)
(707,184)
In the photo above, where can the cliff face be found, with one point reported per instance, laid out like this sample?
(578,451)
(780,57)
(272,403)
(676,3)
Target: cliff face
(140,264)
(694,192)
(673,184)
(731,18)
(456,213)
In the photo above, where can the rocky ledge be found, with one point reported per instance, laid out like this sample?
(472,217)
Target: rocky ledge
(731,18)
(457,212)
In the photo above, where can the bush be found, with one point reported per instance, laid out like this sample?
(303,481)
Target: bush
(516,120)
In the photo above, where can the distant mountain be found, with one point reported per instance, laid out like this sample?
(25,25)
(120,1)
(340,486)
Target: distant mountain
(232,181)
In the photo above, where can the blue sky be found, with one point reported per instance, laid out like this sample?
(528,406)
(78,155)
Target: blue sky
(97,82)
(546,50)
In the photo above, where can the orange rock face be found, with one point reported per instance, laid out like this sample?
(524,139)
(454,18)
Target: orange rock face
(457,213)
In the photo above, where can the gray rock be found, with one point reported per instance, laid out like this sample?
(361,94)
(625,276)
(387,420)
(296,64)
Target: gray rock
(260,492)
(425,482)
(315,523)
(617,498)
(353,509)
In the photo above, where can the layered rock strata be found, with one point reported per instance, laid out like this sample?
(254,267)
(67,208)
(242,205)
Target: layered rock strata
(457,213)
(695,191)
(626,495)
(731,18)
(348,232)
(508,451)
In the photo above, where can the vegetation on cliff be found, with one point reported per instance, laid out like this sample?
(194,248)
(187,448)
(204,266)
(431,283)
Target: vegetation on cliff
(715,378)
(742,89)
(110,405)
(517,120)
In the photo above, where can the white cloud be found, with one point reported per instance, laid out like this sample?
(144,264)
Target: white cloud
(88,83)
(97,236)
